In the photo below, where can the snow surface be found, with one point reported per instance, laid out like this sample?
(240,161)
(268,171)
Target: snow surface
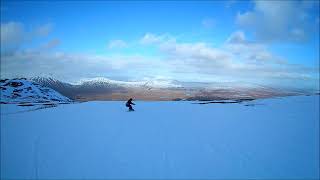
(263,139)
(28,92)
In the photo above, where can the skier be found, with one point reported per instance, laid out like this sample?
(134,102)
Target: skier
(128,104)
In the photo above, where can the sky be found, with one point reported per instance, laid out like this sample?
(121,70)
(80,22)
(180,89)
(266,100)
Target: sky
(265,42)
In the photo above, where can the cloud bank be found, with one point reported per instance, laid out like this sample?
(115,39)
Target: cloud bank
(284,21)
(14,35)
(117,44)
(236,60)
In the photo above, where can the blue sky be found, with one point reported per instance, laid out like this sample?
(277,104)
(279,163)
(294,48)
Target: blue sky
(268,42)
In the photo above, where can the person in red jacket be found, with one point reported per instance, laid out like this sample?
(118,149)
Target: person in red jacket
(129,103)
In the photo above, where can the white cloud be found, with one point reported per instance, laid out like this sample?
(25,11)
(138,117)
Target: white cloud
(237,60)
(150,38)
(117,44)
(241,48)
(237,37)
(14,35)
(277,20)
(71,67)
(43,30)
(195,51)
(43,48)
(51,44)
(167,44)
(230,3)
(208,23)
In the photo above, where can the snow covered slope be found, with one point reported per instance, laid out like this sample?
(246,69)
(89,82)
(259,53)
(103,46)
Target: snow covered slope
(262,139)
(24,91)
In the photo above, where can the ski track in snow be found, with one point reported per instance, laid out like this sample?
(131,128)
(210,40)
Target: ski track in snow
(164,140)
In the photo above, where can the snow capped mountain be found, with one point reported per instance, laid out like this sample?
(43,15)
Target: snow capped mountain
(153,83)
(25,91)
(49,82)
(101,88)
(98,83)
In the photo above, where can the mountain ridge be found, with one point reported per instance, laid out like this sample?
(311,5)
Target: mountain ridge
(101,88)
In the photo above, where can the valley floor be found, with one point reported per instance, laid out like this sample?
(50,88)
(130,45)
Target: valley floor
(261,139)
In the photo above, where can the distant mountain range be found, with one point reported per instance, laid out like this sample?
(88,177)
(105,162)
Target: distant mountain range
(43,89)
(107,89)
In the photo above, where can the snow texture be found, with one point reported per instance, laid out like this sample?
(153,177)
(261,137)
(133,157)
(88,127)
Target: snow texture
(24,91)
(262,139)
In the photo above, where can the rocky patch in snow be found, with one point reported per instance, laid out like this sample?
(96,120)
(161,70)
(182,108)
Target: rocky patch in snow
(26,93)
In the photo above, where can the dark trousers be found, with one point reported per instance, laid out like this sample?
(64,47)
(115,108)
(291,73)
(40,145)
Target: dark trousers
(130,107)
